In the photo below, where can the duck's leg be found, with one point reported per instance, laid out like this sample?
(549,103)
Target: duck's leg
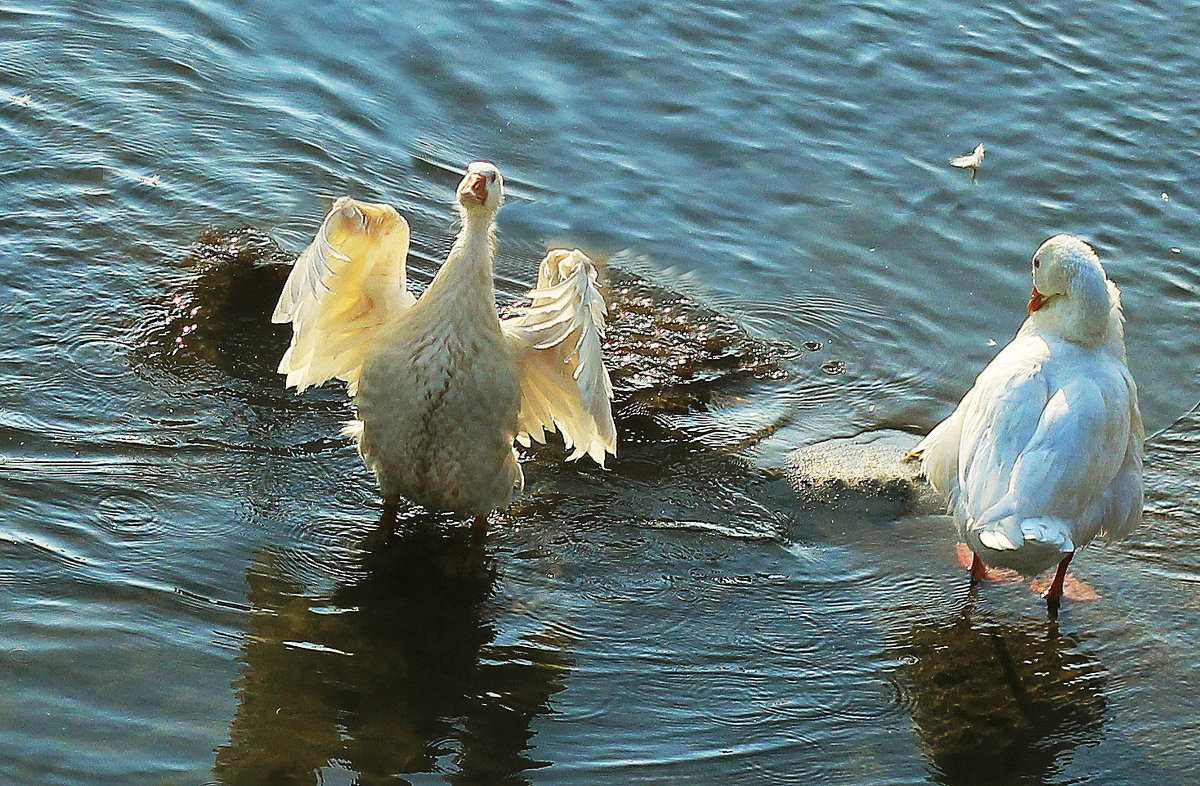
(479,527)
(1054,594)
(978,569)
(391,508)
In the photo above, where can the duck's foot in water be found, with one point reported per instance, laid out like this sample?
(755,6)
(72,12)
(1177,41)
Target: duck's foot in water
(385,530)
(1063,586)
(1072,589)
(980,572)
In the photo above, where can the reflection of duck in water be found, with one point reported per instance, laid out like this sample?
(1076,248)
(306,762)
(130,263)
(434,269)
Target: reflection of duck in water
(397,673)
(999,702)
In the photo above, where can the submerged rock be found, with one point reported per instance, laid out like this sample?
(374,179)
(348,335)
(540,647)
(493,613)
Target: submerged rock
(667,353)
(219,312)
(870,469)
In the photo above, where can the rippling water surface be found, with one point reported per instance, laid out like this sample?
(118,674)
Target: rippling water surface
(190,588)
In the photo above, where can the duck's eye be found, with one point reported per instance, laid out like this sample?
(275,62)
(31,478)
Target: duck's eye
(490,175)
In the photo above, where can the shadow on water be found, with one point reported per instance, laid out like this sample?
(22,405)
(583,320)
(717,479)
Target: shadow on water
(219,314)
(398,672)
(999,702)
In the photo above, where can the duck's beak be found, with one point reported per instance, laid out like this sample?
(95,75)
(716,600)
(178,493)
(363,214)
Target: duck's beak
(474,188)
(1036,301)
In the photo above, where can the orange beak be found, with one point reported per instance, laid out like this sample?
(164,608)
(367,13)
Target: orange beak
(1036,301)
(474,189)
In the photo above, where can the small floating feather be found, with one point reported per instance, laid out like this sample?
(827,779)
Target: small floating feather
(971,161)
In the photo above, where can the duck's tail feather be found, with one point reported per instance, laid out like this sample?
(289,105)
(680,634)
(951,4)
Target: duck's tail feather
(1010,534)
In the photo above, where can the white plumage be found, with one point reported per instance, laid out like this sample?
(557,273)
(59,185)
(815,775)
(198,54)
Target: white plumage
(1045,451)
(441,385)
(560,332)
(343,288)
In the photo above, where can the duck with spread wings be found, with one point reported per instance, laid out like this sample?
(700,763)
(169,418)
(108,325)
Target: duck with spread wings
(442,385)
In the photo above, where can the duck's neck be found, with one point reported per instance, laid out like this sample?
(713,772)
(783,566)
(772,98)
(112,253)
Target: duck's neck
(1090,314)
(466,276)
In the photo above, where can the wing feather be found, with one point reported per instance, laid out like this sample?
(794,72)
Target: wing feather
(1042,453)
(939,452)
(343,288)
(1007,403)
(557,344)
(1124,506)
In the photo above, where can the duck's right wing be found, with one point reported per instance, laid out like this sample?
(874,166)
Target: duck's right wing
(999,418)
(343,288)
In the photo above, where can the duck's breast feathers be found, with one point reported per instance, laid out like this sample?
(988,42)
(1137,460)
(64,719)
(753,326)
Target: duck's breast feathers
(347,284)
(556,342)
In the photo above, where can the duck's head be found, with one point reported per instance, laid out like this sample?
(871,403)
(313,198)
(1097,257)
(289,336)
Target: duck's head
(482,189)
(1072,298)
(1058,265)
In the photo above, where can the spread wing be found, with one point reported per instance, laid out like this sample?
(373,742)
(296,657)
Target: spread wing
(556,343)
(343,288)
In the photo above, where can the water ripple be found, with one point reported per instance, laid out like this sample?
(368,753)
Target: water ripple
(772,195)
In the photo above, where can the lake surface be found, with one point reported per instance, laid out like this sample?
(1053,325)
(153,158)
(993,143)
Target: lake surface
(189,589)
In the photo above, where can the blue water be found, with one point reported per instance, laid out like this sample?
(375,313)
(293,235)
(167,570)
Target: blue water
(185,591)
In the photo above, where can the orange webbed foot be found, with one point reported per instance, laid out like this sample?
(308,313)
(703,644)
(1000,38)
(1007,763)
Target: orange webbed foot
(966,558)
(1072,589)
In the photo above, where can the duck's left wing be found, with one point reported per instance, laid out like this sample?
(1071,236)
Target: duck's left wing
(1126,494)
(556,343)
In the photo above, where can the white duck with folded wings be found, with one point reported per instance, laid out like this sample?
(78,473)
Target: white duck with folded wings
(1045,451)
(442,385)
